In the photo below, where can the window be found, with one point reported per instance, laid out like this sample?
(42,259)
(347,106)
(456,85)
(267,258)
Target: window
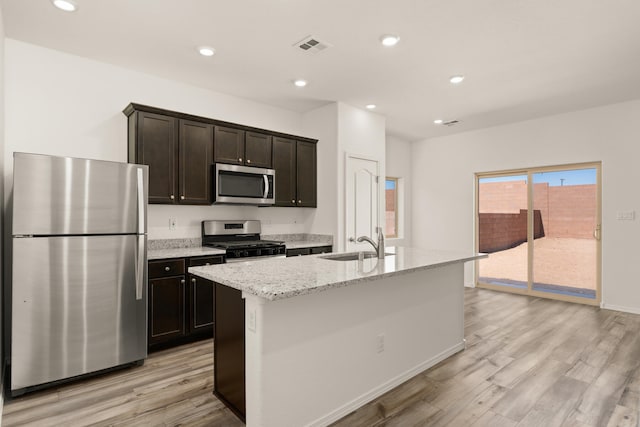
(391,207)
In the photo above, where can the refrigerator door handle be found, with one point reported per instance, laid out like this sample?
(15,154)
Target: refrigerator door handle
(140,264)
(141,213)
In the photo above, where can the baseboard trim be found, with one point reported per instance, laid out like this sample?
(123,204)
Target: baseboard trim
(632,310)
(385,387)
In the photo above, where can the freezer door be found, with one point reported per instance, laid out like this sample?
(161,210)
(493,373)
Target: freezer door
(74,307)
(63,195)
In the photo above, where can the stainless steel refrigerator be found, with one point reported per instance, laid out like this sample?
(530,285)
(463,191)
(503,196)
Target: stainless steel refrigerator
(79,263)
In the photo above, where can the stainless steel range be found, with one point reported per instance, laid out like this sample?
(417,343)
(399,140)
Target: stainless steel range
(241,240)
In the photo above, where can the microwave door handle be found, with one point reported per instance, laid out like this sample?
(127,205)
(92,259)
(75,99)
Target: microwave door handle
(266,186)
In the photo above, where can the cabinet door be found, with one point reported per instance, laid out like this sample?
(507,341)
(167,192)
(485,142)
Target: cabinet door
(298,252)
(202,304)
(321,250)
(228,145)
(284,163)
(257,150)
(196,157)
(306,174)
(157,146)
(166,309)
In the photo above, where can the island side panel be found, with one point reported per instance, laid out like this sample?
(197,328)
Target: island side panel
(314,358)
(229,348)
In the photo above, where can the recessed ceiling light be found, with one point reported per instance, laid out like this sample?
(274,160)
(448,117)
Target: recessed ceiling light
(300,83)
(370,106)
(206,51)
(389,40)
(456,79)
(438,121)
(66,5)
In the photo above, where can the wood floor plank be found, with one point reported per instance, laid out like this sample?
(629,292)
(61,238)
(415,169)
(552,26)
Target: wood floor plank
(528,362)
(553,408)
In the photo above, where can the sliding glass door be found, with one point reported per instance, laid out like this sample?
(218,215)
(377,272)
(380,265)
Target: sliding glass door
(502,208)
(541,229)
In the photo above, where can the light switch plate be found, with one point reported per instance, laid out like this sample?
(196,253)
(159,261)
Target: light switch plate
(251,321)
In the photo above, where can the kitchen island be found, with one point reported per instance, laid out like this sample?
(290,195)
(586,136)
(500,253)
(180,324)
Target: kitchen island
(321,337)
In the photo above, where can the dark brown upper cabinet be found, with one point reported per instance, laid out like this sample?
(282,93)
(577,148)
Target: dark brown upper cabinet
(306,174)
(179,154)
(180,149)
(257,150)
(228,145)
(237,147)
(153,141)
(196,156)
(295,166)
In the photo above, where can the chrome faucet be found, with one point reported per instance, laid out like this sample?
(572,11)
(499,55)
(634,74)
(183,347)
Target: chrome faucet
(379,247)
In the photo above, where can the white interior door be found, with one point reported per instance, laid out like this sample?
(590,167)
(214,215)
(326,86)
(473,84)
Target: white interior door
(362,195)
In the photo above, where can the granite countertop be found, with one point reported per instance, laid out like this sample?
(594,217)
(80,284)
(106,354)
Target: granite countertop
(183,252)
(281,278)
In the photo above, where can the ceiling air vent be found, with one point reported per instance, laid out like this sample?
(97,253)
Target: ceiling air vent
(451,123)
(311,44)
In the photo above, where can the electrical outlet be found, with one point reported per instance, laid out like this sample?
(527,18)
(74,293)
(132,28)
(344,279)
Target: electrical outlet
(172,223)
(380,343)
(251,321)
(626,215)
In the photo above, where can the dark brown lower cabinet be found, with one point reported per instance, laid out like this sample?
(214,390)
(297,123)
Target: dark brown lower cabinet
(309,251)
(229,349)
(180,305)
(166,309)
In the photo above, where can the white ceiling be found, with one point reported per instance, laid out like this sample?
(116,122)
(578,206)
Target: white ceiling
(521,58)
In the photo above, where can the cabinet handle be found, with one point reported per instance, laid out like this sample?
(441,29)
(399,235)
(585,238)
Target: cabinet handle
(171,197)
(181,197)
(299,201)
(248,161)
(193,281)
(167,269)
(293,201)
(184,330)
(239,159)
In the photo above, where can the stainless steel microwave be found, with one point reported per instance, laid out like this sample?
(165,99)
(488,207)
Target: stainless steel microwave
(243,185)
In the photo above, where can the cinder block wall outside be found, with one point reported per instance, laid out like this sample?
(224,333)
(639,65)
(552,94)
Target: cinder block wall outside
(559,211)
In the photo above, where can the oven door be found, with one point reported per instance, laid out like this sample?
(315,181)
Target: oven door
(243,185)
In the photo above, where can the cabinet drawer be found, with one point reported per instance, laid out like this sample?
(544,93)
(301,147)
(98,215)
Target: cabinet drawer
(321,250)
(166,268)
(206,260)
(298,252)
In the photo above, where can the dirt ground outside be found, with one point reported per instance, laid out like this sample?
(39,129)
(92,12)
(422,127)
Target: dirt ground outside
(565,262)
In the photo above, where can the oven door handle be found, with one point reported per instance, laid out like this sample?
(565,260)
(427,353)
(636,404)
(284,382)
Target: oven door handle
(266,186)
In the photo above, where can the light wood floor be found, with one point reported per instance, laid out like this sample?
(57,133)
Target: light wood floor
(528,362)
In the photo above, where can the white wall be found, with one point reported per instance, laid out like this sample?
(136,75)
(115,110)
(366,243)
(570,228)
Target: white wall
(322,124)
(66,105)
(443,202)
(398,165)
